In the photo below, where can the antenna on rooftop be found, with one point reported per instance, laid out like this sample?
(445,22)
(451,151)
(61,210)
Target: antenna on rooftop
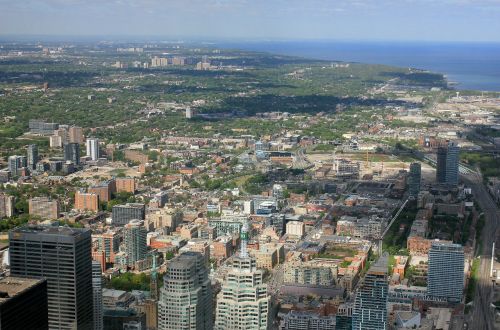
(244,240)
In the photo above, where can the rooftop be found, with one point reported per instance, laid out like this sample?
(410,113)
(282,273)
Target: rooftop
(381,265)
(49,229)
(12,286)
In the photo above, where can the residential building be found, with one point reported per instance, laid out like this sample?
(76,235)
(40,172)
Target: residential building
(150,308)
(295,228)
(93,148)
(415,179)
(269,255)
(62,132)
(40,127)
(159,200)
(166,219)
(55,141)
(135,241)
(452,161)
(362,228)
(441,164)
(44,207)
(186,296)
(136,156)
(108,243)
(44,251)
(16,163)
(6,206)
(86,202)
(122,214)
(448,164)
(5,176)
(75,134)
(72,153)
(32,156)
(157,62)
(23,304)
(307,274)
(222,247)
(98,309)
(227,224)
(104,190)
(445,277)
(125,185)
(370,304)
(305,320)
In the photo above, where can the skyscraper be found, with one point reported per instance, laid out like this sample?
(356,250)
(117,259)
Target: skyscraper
(446,271)
(186,296)
(16,163)
(441,164)
(23,304)
(243,302)
(135,241)
(62,256)
(448,163)
(414,179)
(452,159)
(72,153)
(32,156)
(93,148)
(370,305)
(97,295)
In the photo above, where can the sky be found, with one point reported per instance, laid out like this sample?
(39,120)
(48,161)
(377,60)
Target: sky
(401,20)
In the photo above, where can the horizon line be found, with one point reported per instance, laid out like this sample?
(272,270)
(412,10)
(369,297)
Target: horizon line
(208,39)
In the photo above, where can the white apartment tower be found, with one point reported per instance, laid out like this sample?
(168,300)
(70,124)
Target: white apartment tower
(93,148)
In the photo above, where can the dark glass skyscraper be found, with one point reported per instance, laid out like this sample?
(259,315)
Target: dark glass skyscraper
(72,153)
(23,304)
(447,164)
(62,256)
(441,165)
(415,179)
(370,305)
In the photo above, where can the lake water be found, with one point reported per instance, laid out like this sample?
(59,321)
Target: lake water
(471,65)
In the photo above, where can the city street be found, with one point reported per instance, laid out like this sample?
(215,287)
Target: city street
(482,313)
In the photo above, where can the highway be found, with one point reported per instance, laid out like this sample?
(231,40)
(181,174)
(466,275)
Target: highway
(301,161)
(482,314)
